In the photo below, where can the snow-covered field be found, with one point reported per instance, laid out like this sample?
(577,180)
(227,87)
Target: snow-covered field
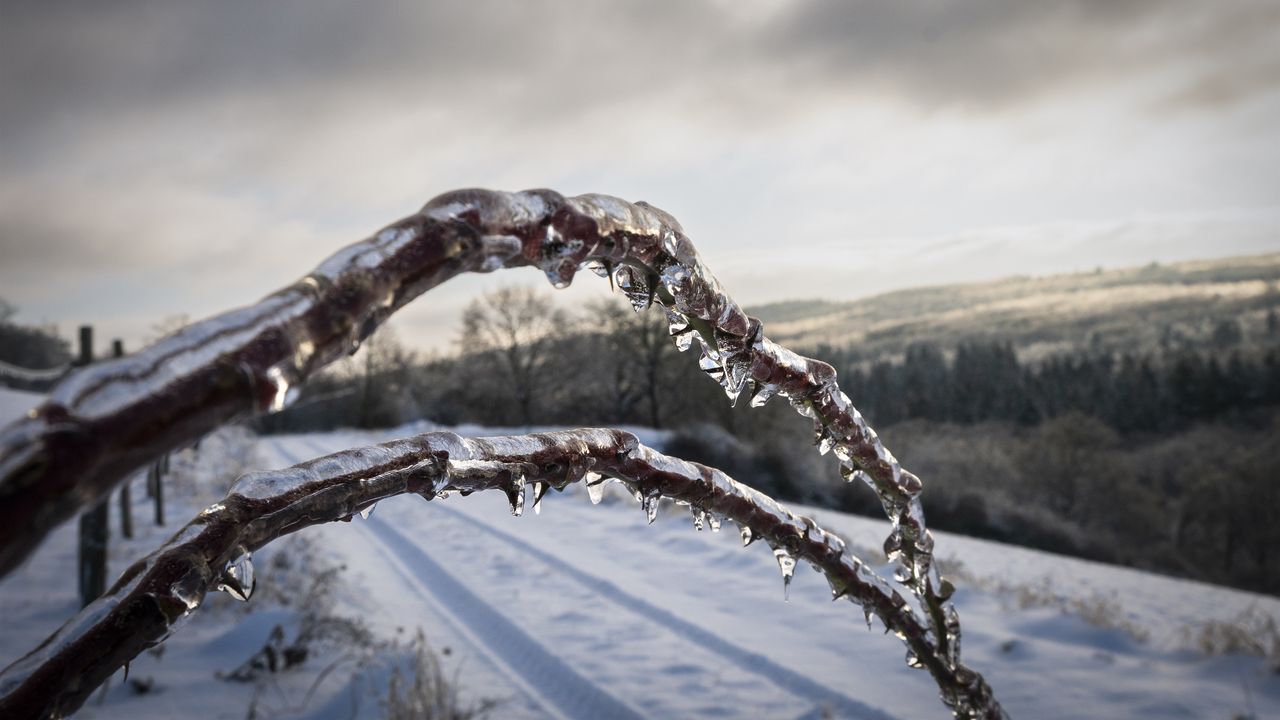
(586,611)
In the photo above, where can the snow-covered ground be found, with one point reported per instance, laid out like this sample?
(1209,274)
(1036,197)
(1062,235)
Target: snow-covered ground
(586,611)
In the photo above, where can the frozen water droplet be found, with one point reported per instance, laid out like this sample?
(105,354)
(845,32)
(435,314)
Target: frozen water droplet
(748,537)
(867,614)
(838,589)
(539,489)
(669,243)
(367,511)
(851,473)
(681,332)
(187,591)
(908,482)
(902,573)
(713,521)
(237,578)
(913,661)
(711,366)
(557,279)
(946,589)
(635,284)
(650,505)
(822,438)
(787,565)
(595,487)
(285,391)
(515,495)
(684,340)
(893,546)
(762,394)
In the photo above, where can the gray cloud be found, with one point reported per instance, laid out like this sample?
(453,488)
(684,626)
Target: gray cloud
(65,67)
(986,53)
(146,138)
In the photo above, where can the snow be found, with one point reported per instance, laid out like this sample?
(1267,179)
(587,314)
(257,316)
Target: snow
(587,611)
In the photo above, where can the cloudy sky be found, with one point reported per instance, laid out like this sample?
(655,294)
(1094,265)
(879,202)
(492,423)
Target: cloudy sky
(160,157)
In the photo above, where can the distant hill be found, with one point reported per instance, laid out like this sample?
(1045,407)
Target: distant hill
(1180,304)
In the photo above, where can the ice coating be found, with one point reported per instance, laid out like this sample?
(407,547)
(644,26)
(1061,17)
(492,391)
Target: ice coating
(104,421)
(213,551)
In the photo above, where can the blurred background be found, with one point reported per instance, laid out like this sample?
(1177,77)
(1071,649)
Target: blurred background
(1034,240)
(1039,242)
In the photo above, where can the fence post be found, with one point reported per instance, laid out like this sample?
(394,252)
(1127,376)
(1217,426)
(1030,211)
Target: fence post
(93,522)
(155,481)
(126,499)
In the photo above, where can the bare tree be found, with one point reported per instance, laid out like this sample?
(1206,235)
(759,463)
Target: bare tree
(638,349)
(513,328)
(384,369)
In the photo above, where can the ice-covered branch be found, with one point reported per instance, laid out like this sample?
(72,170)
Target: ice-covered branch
(108,419)
(213,551)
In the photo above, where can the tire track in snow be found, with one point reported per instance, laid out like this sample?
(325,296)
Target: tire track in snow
(788,680)
(793,682)
(546,676)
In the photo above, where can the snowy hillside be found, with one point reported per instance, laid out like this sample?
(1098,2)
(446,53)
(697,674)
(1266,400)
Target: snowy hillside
(586,611)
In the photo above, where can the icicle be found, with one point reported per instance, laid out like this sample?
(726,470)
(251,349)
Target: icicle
(762,394)
(595,486)
(515,495)
(680,330)
(539,489)
(748,537)
(913,661)
(602,268)
(867,614)
(713,521)
(838,589)
(650,505)
(710,365)
(736,374)
(285,389)
(635,284)
(237,578)
(787,564)
(367,511)
(699,517)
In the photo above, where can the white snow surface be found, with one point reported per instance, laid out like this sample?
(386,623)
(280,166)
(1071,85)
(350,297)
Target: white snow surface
(587,611)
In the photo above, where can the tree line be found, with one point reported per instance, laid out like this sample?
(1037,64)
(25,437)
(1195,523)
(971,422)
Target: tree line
(1159,459)
(1156,392)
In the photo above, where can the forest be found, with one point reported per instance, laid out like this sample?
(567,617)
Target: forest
(1159,459)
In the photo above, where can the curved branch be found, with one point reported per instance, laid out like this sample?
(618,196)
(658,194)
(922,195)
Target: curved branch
(109,419)
(213,550)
